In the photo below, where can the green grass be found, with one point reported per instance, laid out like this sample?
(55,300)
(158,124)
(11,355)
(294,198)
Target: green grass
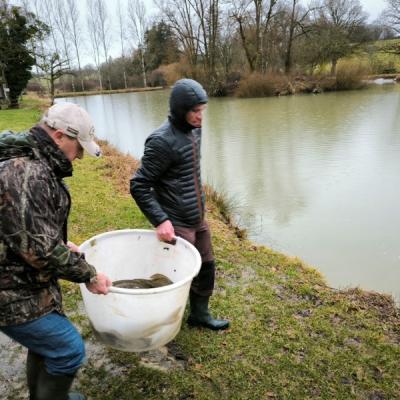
(97,207)
(292,337)
(30,111)
(374,59)
(383,61)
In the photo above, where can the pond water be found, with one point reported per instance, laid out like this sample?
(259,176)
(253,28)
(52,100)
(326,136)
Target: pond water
(314,176)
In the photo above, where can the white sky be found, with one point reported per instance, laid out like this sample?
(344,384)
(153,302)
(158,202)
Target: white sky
(373,7)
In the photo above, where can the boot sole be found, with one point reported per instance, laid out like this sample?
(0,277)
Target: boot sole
(197,324)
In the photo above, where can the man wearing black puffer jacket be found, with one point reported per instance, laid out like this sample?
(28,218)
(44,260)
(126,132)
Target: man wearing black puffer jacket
(167,188)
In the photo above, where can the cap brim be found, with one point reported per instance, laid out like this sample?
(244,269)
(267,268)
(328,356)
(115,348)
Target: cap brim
(91,147)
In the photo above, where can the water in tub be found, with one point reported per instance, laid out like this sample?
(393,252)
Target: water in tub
(156,280)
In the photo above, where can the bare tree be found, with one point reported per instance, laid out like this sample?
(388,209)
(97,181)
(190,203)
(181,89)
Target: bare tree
(182,19)
(208,17)
(105,33)
(35,7)
(122,37)
(46,47)
(62,23)
(299,25)
(48,14)
(338,23)
(75,34)
(391,22)
(138,26)
(253,18)
(226,43)
(93,26)
(196,23)
(392,14)
(53,67)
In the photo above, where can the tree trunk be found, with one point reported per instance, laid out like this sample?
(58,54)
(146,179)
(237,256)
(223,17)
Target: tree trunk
(100,80)
(333,67)
(14,101)
(73,83)
(125,82)
(244,44)
(143,68)
(109,78)
(51,90)
(288,56)
(259,33)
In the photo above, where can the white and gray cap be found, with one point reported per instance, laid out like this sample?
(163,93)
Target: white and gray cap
(75,122)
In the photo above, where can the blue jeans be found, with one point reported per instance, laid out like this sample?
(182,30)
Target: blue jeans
(53,337)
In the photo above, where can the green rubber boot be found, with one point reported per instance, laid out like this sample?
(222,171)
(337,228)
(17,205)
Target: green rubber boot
(55,387)
(34,363)
(200,314)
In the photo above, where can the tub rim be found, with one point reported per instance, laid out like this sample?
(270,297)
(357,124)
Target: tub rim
(146,232)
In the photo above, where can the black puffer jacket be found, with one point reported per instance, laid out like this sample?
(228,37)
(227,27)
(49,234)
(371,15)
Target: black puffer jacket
(168,183)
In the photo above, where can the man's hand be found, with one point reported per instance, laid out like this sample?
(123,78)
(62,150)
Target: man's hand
(73,247)
(165,231)
(100,284)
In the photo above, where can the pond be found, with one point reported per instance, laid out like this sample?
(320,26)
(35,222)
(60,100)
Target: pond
(314,176)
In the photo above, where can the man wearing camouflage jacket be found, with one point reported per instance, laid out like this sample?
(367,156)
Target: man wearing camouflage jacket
(34,251)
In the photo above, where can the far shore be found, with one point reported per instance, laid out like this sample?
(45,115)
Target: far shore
(296,85)
(97,92)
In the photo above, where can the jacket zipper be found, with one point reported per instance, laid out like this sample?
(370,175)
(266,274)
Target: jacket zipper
(196,179)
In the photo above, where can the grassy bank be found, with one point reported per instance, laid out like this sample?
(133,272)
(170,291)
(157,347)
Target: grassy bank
(31,109)
(349,76)
(381,56)
(292,337)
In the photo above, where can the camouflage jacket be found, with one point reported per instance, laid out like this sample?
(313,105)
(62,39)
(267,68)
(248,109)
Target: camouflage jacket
(34,207)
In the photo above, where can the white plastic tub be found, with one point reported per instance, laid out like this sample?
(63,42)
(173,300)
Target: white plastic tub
(139,319)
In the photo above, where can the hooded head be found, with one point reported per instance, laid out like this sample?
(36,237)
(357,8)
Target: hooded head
(186,94)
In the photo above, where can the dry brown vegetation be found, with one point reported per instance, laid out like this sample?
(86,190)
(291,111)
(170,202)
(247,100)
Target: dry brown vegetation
(259,85)
(119,167)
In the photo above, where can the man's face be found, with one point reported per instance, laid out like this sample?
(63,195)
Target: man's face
(70,147)
(195,116)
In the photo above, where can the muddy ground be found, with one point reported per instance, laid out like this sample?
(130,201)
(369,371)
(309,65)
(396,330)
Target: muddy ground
(13,356)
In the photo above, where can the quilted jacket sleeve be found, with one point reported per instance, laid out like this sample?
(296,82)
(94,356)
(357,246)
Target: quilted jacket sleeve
(156,160)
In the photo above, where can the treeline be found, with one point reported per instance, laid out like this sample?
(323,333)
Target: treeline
(218,42)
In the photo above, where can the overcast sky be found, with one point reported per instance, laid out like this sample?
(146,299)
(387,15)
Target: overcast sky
(373,7)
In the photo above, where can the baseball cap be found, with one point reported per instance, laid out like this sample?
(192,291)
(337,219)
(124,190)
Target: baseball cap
(75,122)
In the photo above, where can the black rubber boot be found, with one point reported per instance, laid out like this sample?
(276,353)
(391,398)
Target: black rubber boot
(34,363)
(55,387)
(76,396)
(200,314)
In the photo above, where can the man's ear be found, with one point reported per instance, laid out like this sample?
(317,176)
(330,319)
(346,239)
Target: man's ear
(58,136)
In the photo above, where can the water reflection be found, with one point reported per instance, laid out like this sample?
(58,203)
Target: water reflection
(126,119)
(313,176)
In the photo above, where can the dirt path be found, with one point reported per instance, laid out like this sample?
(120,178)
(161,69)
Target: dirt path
(13,358)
